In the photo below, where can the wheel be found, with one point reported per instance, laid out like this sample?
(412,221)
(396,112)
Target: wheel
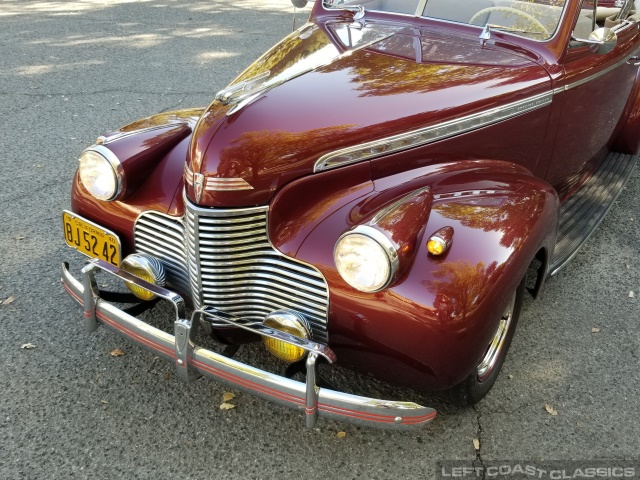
(528,17)
(472,389)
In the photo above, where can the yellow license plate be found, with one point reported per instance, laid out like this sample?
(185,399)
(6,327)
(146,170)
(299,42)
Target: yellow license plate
(91,239)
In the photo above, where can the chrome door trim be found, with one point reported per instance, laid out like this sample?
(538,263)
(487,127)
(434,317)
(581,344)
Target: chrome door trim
(595,76)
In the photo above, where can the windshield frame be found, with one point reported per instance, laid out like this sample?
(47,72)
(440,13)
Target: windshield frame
(422,4)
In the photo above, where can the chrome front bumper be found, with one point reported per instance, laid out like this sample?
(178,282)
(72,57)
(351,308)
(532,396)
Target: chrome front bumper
(192,361)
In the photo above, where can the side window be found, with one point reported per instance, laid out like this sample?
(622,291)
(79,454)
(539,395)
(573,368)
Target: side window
(586,21)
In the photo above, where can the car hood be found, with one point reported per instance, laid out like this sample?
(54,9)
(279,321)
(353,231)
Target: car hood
(331,86)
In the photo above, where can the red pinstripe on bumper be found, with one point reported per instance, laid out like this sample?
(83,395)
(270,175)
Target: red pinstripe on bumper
(330,404)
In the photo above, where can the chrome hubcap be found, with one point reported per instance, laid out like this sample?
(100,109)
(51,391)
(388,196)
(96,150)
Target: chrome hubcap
(497,343)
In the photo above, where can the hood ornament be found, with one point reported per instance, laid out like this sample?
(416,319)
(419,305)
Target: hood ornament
(241,90)
(198,185)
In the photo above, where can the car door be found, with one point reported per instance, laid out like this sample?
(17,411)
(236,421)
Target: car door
(593,92)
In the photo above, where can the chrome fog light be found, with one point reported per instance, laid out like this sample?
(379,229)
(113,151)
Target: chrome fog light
(147,268)
(288,322)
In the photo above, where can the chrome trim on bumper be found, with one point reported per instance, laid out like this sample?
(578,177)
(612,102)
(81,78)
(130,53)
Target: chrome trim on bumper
(263,330)
(192,361)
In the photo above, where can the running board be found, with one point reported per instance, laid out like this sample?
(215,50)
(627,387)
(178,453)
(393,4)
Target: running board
(581,214)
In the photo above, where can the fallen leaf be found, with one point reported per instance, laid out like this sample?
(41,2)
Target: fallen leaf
(631,294)
(228,396)
(595,330)
(551,410)
(105,402)
(28,346)
(9,300)
(476,444)
(227,406)
(118,352)
(341,434)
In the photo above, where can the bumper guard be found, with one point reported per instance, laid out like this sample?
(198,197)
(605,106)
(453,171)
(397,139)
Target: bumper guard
(192,361)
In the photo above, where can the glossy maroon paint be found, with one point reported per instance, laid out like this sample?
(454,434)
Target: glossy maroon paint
(494,233)
(269,149)
(590,107)
(159,184)
(402,223)
(300,206)
(496,186)
(140,153)
(628,140)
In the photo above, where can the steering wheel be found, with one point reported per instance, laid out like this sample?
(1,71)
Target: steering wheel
(533,20)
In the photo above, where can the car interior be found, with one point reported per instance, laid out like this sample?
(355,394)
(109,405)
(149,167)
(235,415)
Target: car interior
(541,19)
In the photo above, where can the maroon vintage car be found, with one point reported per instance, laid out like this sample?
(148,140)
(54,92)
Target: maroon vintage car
(377,191)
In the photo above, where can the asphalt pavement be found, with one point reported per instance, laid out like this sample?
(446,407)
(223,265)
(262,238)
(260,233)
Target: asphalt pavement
(72,70)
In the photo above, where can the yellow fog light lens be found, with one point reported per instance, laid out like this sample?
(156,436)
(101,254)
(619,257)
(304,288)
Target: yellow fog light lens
(291,323)
(147,268)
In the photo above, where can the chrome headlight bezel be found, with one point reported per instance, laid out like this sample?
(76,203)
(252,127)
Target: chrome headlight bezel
(386,248)
(112,167)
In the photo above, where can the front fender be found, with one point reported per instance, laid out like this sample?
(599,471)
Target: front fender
(157,149)
(431,327)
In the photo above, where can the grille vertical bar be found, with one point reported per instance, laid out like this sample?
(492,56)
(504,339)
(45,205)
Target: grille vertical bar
(193,257)
(224,258)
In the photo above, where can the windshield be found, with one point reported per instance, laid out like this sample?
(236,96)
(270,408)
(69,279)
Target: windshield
(537,19)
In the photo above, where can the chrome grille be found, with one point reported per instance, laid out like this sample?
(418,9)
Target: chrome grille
(163,237)
(224,257)
(242,274)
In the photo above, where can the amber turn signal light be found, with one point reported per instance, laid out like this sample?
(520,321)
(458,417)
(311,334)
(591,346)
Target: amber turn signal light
(440,241)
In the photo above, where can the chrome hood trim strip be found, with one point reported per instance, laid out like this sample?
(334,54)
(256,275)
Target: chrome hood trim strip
(424,136)
(105,140)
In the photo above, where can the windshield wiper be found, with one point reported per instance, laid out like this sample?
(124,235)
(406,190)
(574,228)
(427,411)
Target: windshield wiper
(486,31)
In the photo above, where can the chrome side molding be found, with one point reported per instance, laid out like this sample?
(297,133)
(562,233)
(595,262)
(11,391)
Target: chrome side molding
(424,136)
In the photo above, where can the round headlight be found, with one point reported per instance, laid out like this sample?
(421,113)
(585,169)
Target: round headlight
(101,173)
(365,259)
